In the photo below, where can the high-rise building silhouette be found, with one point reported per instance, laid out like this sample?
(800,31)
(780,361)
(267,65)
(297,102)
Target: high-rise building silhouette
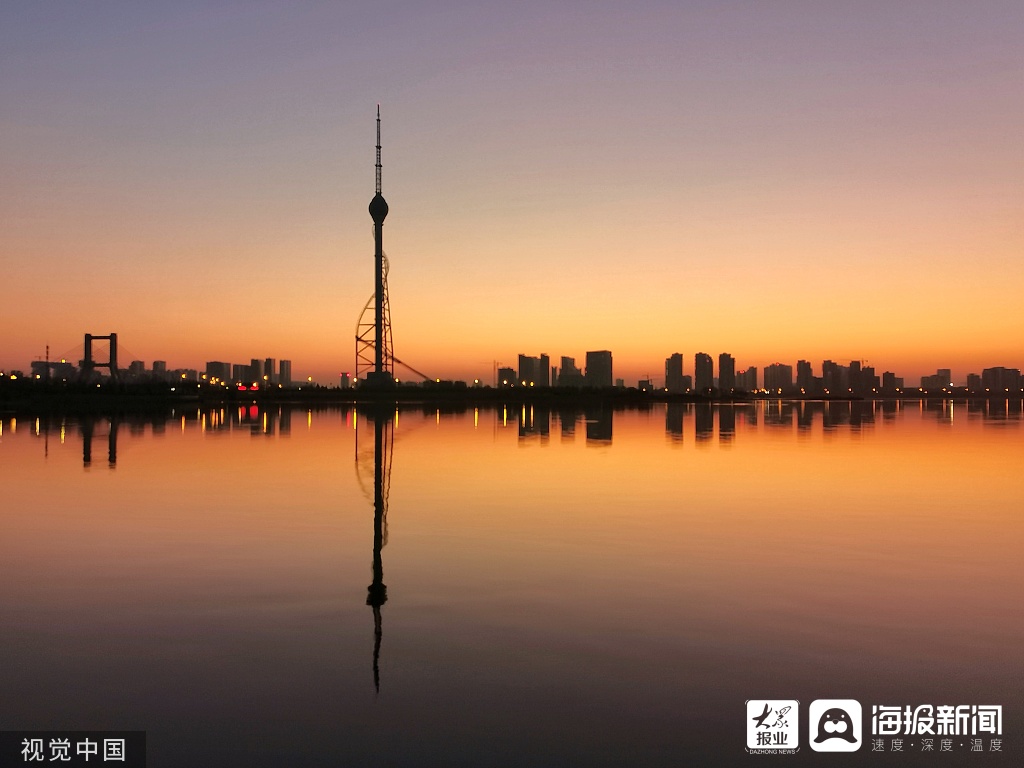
(284,376)
(1000,379)
(853,377)
(527,370)
(218,370)
(830,376)
(703,373)
(941,379)
(726,373)
(747,380)
(870,383)
(778,377)
(535,371)
(674,373)
(568,374)
(599,368)
(804,376)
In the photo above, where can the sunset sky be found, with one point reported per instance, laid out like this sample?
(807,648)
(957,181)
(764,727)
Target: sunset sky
(777,180)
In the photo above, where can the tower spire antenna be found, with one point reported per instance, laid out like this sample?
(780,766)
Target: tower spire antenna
(378,149)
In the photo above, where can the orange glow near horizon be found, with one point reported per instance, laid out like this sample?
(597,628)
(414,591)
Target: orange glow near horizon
(592,295)
(848,188)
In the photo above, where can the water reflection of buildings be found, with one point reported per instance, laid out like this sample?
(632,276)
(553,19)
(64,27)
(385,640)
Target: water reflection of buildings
(993,412)
(533,422)
(726,422)
(93,428)
(90,428)
(599,424)
(674,421)
(704,421)
(832,416)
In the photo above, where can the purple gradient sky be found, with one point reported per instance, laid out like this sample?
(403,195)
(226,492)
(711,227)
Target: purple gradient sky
(776,180)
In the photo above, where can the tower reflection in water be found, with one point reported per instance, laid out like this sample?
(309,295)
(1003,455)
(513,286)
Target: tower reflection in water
(383,420)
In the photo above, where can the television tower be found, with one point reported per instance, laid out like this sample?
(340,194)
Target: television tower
(382,373)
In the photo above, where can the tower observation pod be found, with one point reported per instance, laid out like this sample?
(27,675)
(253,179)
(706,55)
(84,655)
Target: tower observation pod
(376,370)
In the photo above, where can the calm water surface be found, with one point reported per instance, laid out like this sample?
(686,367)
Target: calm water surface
(508,587)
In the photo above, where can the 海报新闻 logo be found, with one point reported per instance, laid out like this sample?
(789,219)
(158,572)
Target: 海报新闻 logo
(835,725)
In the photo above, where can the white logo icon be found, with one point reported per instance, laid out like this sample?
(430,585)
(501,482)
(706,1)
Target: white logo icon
(835,725)
(773,724)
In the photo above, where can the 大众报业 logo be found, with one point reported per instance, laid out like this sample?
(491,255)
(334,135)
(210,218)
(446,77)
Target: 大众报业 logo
(773,724)
(835,725)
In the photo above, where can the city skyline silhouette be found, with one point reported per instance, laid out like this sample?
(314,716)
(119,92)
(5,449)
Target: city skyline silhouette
(686,400)
(835,185)
(831,377)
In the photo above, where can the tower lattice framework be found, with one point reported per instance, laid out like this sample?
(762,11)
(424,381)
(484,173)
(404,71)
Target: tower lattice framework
(366,335)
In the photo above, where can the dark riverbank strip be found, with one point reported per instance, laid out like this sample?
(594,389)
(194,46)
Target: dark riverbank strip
(27,396)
